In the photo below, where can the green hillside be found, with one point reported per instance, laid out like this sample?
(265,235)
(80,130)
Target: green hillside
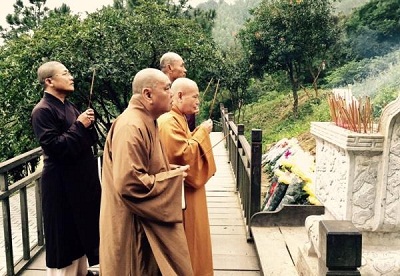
(273,114)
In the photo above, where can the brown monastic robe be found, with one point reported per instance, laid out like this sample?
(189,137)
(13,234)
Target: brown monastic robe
(193,148)
(141,230)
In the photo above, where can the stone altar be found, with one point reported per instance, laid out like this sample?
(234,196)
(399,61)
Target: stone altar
(358,179)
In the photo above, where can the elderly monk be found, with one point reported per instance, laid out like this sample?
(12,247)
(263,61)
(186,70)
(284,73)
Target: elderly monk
(193,148)
(173,66)
(141,230)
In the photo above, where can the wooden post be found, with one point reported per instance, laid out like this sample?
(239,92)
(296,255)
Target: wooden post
(7,226)
(239,176)
(39,213)
(23,200)
(229,144)
(255,187)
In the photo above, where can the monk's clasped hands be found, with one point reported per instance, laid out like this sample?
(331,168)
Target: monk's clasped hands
(87,118)
(208,125)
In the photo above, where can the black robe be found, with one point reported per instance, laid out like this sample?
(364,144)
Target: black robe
(70,184)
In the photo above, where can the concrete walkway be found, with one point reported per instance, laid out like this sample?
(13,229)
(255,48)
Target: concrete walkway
(232,254)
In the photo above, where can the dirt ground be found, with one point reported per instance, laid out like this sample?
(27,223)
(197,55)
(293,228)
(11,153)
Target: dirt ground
(307,142)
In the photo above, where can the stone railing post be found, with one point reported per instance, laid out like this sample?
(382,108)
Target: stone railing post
(340,247)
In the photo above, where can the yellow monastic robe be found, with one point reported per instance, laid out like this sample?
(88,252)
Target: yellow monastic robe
(141,230)
(183,147)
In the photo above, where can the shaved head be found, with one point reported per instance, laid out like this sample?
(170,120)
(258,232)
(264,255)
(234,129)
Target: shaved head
(169,58)
(47,70)
(185,95)
(153,89)
(173,66)
(183,85)
(147,78)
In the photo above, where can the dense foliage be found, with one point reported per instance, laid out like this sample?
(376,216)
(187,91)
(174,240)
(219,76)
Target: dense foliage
(28,17)
(374,28)
(255,56)
(116,42)
(293,36)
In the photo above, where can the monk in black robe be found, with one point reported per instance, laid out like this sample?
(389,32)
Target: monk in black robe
(70,181)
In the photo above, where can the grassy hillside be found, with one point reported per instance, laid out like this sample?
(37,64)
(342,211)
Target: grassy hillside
(273,114)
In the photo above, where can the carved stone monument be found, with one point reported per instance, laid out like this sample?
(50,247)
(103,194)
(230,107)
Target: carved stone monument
(358,179)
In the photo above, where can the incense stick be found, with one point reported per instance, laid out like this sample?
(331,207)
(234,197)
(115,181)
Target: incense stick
(208,85)
(91,88)
(214,145)
(212,103)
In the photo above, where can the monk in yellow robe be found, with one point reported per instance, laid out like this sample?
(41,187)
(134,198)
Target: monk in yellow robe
(141,230)
(195,149)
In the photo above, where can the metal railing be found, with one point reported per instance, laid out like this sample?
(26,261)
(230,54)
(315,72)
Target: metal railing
(245,160)
(9,190)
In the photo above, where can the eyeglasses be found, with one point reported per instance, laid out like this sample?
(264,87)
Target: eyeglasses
(64,74)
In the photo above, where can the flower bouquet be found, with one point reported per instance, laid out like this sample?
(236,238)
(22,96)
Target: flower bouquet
(291,172)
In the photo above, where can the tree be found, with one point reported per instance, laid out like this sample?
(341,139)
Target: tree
(24,18)
(294,36)
(117,43)
(235,79)
(374,28)
(19,58)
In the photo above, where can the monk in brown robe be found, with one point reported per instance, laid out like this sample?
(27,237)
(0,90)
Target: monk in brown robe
(141,230)
(193,148)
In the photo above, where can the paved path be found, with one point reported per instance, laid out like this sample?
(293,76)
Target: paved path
(232,254)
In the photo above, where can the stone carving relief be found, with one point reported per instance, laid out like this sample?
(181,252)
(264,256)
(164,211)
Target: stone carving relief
(364,190)
(312,224)
(331,178)
(392,210)
(358,178)
(380,262)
